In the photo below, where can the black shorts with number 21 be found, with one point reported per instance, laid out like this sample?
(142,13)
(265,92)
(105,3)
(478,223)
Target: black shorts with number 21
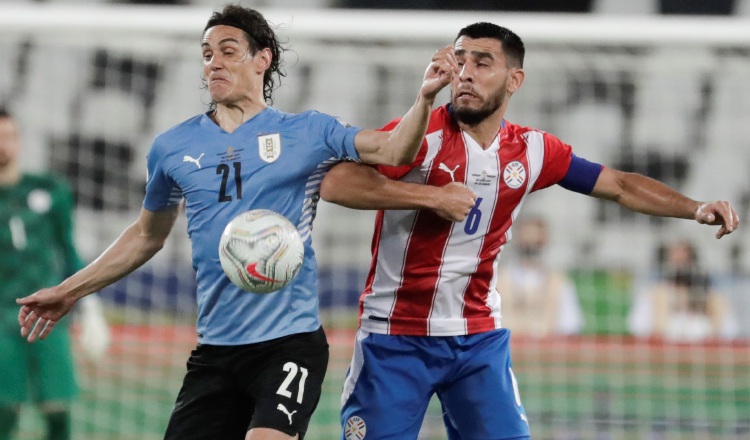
(230,389)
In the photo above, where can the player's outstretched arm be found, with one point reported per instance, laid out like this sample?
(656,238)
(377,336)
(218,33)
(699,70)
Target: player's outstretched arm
(649,196)
(399,146)
(137,244)
(360,186)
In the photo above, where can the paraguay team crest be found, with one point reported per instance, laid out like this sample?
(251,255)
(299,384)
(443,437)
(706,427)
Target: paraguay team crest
(269,147)
(514,174)
(355,428)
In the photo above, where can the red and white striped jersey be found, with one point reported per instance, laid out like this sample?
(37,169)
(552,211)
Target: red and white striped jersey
(433,277)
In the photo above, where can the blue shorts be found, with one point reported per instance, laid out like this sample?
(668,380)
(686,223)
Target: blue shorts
(392,378)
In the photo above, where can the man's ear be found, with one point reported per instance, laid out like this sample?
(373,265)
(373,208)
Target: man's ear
(263,59)
(517,76)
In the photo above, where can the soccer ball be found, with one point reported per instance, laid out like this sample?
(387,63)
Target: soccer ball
(261,251)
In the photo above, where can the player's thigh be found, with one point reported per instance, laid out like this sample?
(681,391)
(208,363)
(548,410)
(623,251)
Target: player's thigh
(387,388)
(55,372)
(15,367)
(210,403)
(481,400)
(288,389)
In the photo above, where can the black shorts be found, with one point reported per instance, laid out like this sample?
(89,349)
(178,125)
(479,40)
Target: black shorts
(230,389)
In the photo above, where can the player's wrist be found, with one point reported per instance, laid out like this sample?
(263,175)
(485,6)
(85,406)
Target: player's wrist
(430,197)
(426,99)
(698,209)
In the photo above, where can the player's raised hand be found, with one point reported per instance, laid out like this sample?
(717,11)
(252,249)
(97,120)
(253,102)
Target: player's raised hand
(40,312)
(440,72)
(455,202)
(718,213)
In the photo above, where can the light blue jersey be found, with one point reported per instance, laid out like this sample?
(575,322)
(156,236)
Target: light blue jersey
(273,161)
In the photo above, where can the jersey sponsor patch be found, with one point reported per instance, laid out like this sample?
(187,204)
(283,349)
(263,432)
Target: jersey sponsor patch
(514,174)
(269,147)
(355,428)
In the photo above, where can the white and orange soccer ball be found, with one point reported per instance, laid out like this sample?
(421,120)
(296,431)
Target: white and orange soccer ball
(261,251)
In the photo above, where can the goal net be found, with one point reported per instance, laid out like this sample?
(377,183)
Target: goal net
(666,97)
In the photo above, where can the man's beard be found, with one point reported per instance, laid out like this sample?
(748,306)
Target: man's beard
(470,116)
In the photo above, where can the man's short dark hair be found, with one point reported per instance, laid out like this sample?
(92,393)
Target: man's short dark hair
(4,113)
(512,44)
(259,36)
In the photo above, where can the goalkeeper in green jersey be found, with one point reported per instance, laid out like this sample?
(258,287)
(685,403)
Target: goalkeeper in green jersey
(36,250)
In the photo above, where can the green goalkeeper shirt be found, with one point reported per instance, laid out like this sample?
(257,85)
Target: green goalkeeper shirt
(36,240)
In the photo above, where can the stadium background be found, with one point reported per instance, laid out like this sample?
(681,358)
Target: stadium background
(642,85)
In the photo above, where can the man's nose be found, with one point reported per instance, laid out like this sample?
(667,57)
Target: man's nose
(465,74)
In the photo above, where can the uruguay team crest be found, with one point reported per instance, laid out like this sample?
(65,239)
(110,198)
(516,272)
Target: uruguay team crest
(269,147)
(355,428)
(514,174)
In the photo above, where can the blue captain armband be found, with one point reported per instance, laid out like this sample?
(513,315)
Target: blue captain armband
(581,176)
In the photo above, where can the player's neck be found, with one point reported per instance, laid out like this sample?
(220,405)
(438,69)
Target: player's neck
(230,116)
(485,132)
(9,175)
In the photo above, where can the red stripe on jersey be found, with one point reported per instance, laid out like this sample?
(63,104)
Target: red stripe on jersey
(424,255)
(438,118)
(476,311)
(427,242)
(373,263)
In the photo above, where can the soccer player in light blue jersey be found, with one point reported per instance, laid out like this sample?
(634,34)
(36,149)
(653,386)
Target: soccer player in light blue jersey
(260,362)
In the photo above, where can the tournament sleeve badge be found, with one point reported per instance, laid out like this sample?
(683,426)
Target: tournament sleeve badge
(269,147)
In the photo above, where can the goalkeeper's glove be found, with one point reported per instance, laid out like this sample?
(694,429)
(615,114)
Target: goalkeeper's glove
(94,331)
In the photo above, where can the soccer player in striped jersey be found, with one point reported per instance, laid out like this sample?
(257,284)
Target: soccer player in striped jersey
(430,319)
(258,369)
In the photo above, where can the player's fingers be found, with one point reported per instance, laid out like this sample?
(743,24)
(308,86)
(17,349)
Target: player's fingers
(23,312)
(29,320)
(25,300)
(48,326)
(450,58)
(41,329)
(721,232)
(445,67)
(35,329)
(731,220)
(443,52)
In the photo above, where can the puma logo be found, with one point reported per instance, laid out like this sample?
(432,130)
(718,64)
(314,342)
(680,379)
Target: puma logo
(197,162)
(283,409)
(445,168)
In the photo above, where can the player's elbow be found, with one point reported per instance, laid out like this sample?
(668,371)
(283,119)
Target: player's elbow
(402,156)
(403,160)
(332,183)
(327,191)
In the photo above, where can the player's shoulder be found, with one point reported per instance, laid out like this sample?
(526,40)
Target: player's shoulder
(45,179)
(48,182)
(513,131)
(177,134)
(316,116)
(182,127)
(442,118)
